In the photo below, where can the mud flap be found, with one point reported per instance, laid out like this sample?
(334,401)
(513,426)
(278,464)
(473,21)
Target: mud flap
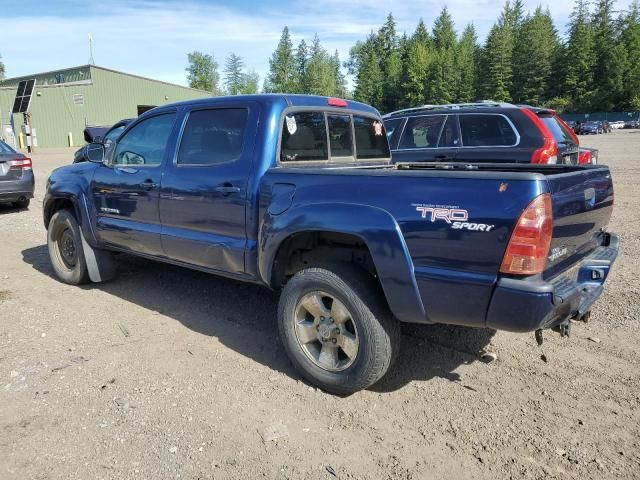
(100,264)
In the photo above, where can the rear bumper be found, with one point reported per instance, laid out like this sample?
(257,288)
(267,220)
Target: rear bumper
(523,305)
(14,190)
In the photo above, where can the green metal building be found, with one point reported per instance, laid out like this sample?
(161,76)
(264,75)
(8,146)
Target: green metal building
(65,101)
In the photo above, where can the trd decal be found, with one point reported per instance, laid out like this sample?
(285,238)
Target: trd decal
(452,215)
(447,214)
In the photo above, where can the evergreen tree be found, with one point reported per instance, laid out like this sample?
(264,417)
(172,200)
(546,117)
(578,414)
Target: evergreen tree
(466,60)
(579,59)
(533,58)
(202,72)
(250,83)
(631,41)
(282,76)
(443,81)
(320,74)
(302,57)
(495,62)
(364,63)
(341,81)
(390,64)
(610,60)
(416,62)
(234,78)
(2,70)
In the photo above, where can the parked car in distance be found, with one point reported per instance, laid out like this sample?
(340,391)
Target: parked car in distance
(16,177)
(106,136)
(632,124)
(617,124)
(480,132)
(591,128)
(297,193)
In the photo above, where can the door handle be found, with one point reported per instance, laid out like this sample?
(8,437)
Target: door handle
(148,185)
(227,189)
(443,157)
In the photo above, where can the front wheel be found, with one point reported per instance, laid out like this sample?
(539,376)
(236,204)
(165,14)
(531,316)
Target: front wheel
(336,328)
(65,249)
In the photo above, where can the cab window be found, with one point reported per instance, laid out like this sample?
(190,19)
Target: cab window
(145,143)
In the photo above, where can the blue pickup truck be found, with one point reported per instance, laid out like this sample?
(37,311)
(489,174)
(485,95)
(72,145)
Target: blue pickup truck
(297,193)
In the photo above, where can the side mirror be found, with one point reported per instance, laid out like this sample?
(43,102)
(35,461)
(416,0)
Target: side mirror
(95,152)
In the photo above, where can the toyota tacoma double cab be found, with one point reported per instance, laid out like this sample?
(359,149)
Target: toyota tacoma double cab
(298,194)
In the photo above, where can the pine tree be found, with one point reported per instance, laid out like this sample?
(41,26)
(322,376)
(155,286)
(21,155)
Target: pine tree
(390,64)
(416,60)
(2,70)
(320,74)
(202,72)
(466,60)
(250,83)
(341,81)
(282,76)
(364,63)
(496,63)
(234,77)
(631,40)
(610,60)
(579,59)
(302,57)
(442,73)
(533,58)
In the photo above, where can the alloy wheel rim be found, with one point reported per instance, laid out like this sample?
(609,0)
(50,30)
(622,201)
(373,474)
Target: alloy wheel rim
(326,332)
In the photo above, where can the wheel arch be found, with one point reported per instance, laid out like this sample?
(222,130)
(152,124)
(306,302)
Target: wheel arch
(364,231)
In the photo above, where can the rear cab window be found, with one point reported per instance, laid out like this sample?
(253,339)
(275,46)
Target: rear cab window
(332,137)
(487,130)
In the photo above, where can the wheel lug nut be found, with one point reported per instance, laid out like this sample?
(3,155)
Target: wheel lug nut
(336,330)
(333,340)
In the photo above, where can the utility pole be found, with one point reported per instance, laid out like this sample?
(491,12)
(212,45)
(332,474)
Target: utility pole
(91,60)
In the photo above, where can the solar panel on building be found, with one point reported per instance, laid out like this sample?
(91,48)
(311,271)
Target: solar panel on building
(23,96)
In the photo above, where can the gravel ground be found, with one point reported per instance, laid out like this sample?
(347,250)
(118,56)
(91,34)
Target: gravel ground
(171,373)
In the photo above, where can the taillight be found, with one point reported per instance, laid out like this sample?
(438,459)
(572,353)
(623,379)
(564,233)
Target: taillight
(584,158)
(22,163)
(530,241)
(548,153)
(337,102)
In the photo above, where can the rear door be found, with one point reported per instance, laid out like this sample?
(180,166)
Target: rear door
(204,188)
(428,138)
(490,138)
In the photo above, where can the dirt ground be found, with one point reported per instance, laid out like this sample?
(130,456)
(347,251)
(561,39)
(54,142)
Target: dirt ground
(170,373)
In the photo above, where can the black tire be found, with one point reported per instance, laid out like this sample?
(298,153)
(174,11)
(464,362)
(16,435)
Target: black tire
(22,203)
(65,249)
(378,331)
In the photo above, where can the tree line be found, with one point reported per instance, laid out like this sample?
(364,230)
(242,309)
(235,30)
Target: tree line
(594,67)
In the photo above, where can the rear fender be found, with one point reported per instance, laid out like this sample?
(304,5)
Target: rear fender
(377,229)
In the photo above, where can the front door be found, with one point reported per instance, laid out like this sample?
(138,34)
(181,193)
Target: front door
(126,192)
(204,191)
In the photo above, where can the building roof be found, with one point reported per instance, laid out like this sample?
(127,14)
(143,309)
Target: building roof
(75,74)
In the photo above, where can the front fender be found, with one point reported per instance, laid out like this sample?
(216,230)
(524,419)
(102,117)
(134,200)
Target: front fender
(72,192)
(377,229)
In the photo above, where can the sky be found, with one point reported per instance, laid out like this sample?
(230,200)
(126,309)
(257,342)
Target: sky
(152,37)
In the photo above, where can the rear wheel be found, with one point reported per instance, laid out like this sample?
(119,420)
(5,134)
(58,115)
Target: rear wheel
(337,331)
(65,249)
(22,203)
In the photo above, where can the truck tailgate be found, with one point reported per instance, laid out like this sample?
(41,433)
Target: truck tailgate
(582,205)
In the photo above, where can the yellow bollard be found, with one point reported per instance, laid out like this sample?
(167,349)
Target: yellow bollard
(21,140)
